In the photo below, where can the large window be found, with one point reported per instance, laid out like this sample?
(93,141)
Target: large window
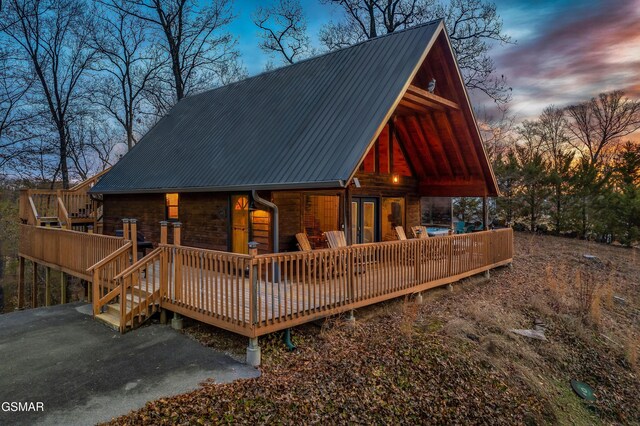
(392,216)
(172,201)
(321,214)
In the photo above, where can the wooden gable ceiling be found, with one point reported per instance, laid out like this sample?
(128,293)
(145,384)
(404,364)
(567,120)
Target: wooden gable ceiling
(439,133)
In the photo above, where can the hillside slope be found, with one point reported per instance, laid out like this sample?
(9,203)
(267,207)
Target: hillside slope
(453,358)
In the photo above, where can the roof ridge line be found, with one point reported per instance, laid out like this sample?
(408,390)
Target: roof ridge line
(424,24)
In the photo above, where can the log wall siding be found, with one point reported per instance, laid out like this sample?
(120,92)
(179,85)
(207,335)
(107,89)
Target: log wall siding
(147,209)
(380,185)
(290,210)
(204,217)
(205,222)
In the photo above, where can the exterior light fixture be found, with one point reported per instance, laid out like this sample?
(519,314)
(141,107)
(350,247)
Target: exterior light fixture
(395,178)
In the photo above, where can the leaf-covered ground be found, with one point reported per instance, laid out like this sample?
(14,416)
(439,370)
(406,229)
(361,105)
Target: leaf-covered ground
(451,360)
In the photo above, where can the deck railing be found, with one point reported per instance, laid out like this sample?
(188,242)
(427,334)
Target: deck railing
(103,273)
(70,251)
(68,205)
(256,295)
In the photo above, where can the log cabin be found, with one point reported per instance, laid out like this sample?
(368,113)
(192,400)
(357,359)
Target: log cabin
(349,140)
(346,141)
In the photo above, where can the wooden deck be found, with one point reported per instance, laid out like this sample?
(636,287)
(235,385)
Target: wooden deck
(255,295)
(258,294)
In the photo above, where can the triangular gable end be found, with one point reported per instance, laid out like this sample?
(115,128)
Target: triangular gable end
(438,130)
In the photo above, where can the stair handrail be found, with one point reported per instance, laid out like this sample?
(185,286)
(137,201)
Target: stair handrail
(89,182)
(94,270)
(127,279)
(33,211)
(63,214)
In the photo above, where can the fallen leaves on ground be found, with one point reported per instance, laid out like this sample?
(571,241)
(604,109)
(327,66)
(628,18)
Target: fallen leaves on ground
(451,360)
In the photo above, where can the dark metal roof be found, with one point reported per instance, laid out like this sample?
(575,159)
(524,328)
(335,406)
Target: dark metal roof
(305,125)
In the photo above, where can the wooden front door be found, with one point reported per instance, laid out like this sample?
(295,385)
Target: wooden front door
(365,220)
(240,224)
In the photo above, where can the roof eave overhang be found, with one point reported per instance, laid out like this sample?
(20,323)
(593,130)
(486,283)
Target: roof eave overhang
(331,184)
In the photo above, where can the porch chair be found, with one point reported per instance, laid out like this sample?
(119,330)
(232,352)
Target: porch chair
(460,225)
(303,242)
(420,232)
(400,232)
(337,239)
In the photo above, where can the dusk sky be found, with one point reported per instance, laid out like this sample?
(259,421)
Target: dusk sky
(565,51)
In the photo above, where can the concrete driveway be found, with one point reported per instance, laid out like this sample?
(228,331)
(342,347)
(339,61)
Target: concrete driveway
(84,372)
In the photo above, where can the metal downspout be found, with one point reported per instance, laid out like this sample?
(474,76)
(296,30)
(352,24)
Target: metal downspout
(276,244)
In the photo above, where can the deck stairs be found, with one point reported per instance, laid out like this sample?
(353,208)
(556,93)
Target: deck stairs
(111,312)
(72,208)
(134,288)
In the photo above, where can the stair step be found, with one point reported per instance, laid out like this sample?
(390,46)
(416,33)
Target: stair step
(110,319)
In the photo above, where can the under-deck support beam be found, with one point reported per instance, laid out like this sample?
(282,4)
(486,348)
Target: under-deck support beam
(47,286)
(34,286)
(63,288)
(20,282)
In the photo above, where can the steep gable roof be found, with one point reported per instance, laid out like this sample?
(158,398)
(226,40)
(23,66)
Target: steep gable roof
(304,125)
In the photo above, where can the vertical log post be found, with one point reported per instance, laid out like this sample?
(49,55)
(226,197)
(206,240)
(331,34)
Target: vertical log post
(176,321)
(176,233)
(20,283)
(125,229)
(47,287)
(34,286)
(63,288)
(134,238)
(485,214)
(253,349)
(163,232)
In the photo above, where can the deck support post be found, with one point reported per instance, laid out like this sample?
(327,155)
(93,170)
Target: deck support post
(163,316)
(20,283)
(253,352)
(63,288)
(419,299)
(163,231)
(351,318)
(34,286)
(134,239)
(125,229)
(487,274)
(47,287)
(485,213)
(177,323)
(176,233)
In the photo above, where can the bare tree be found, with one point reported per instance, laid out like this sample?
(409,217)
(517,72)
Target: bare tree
(554,133)
(473,26)
(599,122)
(53,38)
(283,30)
(193,36)
(129,65)
(13,116)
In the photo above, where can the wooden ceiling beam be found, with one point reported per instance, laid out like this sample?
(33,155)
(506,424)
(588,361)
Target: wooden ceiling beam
(430,100)
(443,125)
(435,141)
(453,189)
(411,154)
(422,142)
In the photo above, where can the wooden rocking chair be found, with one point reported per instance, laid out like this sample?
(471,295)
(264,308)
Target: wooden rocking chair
(420,232)
(400,232)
